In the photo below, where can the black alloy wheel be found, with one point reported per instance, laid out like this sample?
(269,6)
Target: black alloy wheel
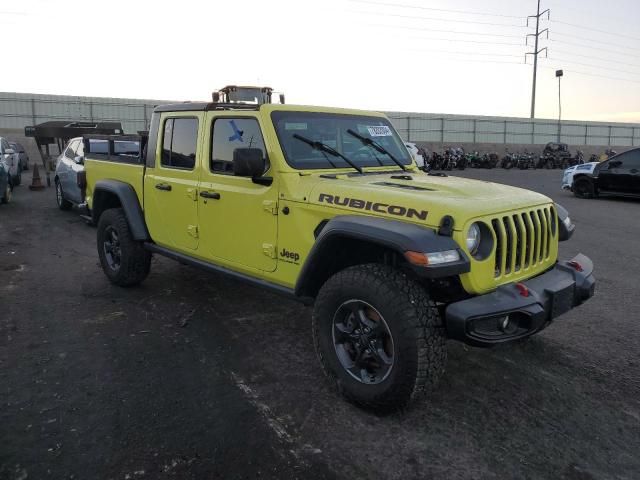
(363,342)
(111,247)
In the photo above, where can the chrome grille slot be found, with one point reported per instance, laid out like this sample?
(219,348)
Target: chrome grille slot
(523,240)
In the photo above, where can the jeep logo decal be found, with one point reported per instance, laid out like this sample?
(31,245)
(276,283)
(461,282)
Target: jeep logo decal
(291,257)
(397,210)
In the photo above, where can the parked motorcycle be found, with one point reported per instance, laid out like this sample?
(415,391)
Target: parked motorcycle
(508,161)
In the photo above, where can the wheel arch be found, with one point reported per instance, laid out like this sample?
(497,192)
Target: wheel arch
(116,194)
(348,240)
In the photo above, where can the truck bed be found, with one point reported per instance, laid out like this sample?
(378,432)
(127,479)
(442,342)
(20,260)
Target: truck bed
(114,157)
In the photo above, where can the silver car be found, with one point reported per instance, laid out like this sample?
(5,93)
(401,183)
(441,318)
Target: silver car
(12,160)
(69,164)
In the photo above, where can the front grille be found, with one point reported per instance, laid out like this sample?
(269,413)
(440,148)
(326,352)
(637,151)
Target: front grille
(523,239)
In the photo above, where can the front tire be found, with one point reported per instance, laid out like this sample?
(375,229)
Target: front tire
(584,188)
(124,260)
(379,337)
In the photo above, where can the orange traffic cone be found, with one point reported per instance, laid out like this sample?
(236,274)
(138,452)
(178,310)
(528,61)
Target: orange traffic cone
(36,183)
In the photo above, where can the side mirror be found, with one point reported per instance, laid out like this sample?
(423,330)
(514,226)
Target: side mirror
(615,164)
(9,151)
(79,159)
(248,162)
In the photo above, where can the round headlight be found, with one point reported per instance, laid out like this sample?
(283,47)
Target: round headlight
(473,238)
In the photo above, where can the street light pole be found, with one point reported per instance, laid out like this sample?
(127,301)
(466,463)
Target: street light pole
(559,74)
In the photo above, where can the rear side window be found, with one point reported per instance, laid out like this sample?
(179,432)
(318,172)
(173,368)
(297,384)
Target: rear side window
(126,148)
(179,143)
(232,133)
(98,146)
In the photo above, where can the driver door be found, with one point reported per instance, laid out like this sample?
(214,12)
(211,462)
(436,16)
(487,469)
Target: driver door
(237,217)
(613,174)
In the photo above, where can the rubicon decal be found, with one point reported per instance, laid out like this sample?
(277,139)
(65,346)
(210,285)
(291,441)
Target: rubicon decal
(397,210)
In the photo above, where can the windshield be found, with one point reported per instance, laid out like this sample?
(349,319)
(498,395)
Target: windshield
(332,130)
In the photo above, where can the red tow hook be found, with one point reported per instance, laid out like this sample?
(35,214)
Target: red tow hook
(575,265)
(522,289)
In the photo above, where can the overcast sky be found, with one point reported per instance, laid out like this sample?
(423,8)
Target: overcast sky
(372,54)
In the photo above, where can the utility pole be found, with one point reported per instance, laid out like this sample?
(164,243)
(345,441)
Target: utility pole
(559,74)
(535,52)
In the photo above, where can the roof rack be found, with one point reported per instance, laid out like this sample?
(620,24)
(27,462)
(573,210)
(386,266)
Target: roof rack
(204,106)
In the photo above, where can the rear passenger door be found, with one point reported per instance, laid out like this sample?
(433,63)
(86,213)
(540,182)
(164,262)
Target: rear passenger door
(170,185)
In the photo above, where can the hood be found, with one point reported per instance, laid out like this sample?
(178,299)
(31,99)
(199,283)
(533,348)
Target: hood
(419,197)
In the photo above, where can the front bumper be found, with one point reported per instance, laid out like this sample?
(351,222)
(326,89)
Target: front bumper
(519,310)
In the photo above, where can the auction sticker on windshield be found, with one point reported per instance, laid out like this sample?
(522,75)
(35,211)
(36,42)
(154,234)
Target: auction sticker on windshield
(379,131)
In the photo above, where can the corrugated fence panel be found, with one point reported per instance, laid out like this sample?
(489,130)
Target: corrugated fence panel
(424,129)
(490,131)
(458,130)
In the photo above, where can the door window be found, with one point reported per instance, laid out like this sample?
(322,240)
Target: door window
(229,134)
(631,160)
(179,143)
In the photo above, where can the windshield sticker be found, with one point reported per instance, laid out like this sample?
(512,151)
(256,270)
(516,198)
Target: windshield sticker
(379,131)
(295,126)
(237,133)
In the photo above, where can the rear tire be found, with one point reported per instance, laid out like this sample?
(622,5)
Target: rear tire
(124,260)
(414,343)
(60,200)
(17,180)
(584,188)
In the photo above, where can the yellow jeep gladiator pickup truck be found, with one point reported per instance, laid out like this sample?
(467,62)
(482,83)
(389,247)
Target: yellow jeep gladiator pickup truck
(327,206)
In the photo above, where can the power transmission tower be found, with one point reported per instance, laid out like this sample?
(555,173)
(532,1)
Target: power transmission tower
(535,52)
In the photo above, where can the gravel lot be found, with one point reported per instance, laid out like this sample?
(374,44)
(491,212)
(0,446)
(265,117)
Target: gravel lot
(197,376)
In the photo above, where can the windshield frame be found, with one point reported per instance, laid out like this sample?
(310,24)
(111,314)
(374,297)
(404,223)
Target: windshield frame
(406,159)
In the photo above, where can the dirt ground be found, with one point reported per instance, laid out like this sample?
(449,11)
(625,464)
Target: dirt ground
(196,376)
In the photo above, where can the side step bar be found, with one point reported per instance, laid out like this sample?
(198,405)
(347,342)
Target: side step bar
(210,267)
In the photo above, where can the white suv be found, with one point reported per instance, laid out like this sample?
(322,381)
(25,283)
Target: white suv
(11,159)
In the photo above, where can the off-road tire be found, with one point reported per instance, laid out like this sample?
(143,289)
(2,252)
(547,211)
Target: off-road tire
(6,195)
(60,200)
(419,339)
(583,187)
(135,261)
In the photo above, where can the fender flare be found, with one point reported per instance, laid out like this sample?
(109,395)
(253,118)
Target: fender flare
(129,202)
(397,236)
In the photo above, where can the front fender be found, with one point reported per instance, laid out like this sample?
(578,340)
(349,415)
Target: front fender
(393,235)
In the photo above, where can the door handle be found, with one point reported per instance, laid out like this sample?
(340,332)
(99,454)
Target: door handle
(163,186)
(212,195)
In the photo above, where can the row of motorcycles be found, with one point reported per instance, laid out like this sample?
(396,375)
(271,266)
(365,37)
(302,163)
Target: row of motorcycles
(456,159)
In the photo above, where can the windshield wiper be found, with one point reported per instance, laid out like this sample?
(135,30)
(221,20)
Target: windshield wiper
(322,147)
(372,143)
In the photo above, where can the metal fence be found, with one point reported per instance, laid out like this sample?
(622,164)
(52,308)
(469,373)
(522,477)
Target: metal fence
(18,110)
(417,127)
